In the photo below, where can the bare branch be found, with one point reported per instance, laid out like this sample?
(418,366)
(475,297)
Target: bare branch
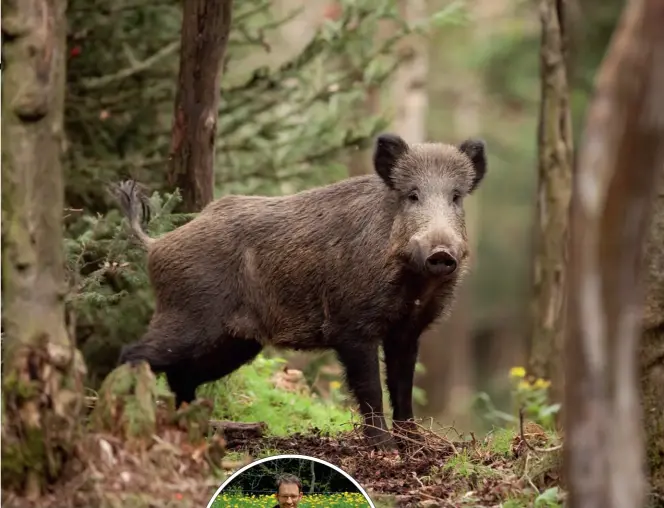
(138,67)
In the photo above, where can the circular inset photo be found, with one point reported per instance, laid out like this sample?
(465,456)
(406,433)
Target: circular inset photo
(290,481)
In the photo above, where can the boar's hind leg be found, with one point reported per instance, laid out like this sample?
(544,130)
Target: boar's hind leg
(188,354)
(400,359)
(168,346)
(363,377)
(226,356)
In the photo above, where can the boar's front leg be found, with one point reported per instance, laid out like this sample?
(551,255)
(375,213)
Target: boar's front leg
(363,376)
(400,358)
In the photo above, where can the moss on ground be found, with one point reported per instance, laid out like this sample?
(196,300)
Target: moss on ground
(249,395)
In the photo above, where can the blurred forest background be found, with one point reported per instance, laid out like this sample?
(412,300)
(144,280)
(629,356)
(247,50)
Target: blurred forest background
(305,87)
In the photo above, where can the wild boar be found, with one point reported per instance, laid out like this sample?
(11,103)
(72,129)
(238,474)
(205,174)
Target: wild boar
(371,260)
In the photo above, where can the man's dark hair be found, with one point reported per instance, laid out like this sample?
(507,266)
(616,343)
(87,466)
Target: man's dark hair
(291,479)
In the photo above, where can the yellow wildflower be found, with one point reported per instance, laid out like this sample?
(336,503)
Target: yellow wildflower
(517,372)
(335,385)
(524,385)
(542,383)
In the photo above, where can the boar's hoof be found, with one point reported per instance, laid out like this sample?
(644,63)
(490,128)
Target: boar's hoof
(381,440)
(408,437)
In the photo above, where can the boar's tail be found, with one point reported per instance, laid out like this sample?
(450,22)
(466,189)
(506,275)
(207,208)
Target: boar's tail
(135,207)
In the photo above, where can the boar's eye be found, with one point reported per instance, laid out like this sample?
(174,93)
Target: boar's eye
(413,196)
(456,198)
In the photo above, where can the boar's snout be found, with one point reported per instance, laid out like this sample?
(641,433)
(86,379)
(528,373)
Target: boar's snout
(437,259)
(441,262)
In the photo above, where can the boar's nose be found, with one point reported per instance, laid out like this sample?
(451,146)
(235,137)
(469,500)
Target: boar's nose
(441,262)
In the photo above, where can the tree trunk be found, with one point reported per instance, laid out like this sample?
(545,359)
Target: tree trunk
(42,371)
(409,83)
(652,347)
(553,199)
(621,156)
(205,30)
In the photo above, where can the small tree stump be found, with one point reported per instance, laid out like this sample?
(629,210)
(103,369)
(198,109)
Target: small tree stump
(127,403)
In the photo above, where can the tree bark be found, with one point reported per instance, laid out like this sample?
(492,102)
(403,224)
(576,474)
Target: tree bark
(205,30)
(42,371)
(621,156)
(652,347)
(553,200)
(409,83)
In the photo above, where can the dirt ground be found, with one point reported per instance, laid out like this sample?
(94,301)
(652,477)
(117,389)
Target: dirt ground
(415,479)
(171,473)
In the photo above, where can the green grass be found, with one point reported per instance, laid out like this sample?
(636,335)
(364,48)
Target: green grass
(465,466)
(340,500)
(248,395)
(500,440)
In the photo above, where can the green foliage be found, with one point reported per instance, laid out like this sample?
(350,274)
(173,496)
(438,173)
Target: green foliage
(282,121)
(341,500)
(109,290)
(500,441)
(248,396)
(286,125)
(531,398)
(465,465)
(550,498)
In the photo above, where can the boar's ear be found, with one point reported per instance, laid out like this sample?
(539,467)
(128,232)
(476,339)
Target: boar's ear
(475,150)
(389,148)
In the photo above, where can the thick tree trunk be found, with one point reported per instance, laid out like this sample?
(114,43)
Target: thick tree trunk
(42,371)
(621,156)
(205,30)
(652,347)
(553,199)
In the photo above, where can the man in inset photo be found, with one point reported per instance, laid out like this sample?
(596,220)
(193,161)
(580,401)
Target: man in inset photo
(289,491)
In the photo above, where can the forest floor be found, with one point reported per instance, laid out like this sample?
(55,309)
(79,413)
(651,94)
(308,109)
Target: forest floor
(500,471)
(179,460)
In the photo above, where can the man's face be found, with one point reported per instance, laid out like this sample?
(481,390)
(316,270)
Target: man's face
(289,495)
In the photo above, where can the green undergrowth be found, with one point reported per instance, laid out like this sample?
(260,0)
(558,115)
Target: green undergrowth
(249,395)
(503,471)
